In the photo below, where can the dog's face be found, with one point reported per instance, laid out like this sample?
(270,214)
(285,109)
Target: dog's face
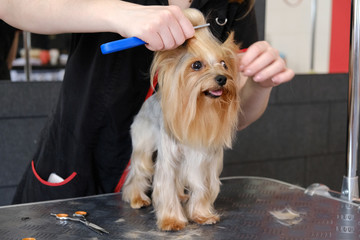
(198,85)
(209,70)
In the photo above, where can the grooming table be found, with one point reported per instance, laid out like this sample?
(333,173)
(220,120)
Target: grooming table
(244,203)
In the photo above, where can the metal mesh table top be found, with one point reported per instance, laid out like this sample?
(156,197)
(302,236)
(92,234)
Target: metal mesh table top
(245,205)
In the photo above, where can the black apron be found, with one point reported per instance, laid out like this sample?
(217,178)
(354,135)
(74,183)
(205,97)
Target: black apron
(7,34)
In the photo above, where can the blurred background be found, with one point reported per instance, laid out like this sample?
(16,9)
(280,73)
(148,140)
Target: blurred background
(300,139)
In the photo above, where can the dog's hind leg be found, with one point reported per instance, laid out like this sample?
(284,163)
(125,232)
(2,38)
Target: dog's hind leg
(138,181)
(139,178)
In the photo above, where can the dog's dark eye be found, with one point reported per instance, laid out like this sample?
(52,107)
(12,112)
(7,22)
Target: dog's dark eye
(197,65)
(223,64)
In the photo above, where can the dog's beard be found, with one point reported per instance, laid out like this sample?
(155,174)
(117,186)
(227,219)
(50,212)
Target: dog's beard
(200,113)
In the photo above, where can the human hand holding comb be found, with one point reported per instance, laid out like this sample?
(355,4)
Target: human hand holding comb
(131,42)
(161,27)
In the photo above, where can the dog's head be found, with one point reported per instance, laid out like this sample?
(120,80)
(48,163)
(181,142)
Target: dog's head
(198,85)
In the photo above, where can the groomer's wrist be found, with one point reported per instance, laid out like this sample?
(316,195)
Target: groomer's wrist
(118,20)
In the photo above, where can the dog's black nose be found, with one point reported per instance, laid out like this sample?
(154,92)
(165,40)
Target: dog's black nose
(220,79)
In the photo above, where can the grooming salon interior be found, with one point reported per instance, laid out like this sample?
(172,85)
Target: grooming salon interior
(307,135)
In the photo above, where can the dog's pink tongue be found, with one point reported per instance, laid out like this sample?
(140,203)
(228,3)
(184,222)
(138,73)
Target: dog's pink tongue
(216,92)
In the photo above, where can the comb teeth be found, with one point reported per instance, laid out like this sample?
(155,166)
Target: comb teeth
(201,26)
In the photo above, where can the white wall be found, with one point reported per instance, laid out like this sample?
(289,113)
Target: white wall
(288,27)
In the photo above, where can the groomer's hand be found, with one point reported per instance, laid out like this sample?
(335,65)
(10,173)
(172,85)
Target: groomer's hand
(161,27)
(264,64)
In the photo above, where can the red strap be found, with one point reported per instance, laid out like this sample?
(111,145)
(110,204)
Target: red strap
(151,89)
(123,176)
(122,179)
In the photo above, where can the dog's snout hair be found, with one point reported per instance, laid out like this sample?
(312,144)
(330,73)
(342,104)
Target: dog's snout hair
(221,80)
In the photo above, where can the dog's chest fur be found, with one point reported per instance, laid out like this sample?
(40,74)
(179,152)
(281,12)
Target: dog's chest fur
(149,124)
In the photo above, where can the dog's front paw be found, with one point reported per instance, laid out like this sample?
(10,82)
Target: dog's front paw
(171,224)
(139,202)
(206,220)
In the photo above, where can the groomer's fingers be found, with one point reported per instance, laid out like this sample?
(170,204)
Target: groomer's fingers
(155,43)
(264,64)
(253,52)
(178,34)
(186,26)
(173,35)
(171,26)
(267,70)
(279,78)
(167,39)
(283,77)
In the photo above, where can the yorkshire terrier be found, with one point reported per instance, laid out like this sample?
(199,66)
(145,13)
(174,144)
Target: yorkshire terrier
(188,122)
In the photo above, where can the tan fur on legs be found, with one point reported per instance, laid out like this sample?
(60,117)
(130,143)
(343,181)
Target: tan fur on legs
(169,211)
(205,186)
(171,224)
(138,181)
(139,178)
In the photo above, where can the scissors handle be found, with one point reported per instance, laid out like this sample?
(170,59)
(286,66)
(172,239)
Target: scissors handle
(65,217)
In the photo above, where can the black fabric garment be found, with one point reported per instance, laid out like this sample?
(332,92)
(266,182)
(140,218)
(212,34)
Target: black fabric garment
(7,34)
(89,130)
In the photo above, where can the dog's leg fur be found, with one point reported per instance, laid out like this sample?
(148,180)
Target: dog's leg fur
(138,181)
(166,199)
(203,172)
(139,178)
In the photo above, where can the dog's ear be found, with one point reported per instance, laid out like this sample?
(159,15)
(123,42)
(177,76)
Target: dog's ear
(230,39)
(230,42)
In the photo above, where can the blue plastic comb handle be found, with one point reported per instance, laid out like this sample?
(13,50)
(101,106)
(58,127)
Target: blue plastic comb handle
(121,44)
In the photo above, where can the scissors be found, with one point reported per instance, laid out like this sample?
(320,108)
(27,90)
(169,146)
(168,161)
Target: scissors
(79,216)
(131,42)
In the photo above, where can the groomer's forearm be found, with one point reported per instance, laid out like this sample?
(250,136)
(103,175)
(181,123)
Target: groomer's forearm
(64,16)
(254,100)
